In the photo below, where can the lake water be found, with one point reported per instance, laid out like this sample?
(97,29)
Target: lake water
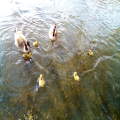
(82,25)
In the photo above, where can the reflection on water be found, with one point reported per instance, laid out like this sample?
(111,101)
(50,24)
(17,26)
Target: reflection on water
(82,25)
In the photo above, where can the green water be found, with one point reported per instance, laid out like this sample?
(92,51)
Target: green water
(82,25)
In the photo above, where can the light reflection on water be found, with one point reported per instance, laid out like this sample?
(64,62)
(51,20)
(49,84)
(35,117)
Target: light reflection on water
(83,25)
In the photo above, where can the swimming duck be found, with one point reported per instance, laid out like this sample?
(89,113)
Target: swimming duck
(41,81)
(27,56)
(21,42)
(76,77)
(36,43)
(90,52)
(53,33)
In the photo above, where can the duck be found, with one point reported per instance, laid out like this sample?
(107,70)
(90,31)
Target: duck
(76,76)
(36,43)
(90,52)
(53,33)
(41,81)
(21,42)
(27,56)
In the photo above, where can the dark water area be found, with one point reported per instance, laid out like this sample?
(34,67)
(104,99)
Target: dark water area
(82,25)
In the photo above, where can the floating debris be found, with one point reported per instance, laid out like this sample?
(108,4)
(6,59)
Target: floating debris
(27,56)
(90,52)
(76,76)
(36,43)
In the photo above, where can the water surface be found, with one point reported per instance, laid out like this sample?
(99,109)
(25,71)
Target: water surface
(82,25)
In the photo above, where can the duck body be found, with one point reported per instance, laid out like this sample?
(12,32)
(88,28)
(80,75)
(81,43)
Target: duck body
(21,42)
(90,52)
(53,33)
(76,77)
(27,56)
(36,43)
(41,81)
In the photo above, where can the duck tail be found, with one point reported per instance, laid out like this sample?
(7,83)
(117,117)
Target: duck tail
(54,30)
(28,43)
(26,47)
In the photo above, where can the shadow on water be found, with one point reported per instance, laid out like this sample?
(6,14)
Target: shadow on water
(82,25)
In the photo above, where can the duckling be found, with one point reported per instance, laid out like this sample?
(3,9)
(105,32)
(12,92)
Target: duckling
(29,116)
(36,43)
(27,56)
(90,52)
(21,42)
(41,81)
(53,33)
(76,77)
